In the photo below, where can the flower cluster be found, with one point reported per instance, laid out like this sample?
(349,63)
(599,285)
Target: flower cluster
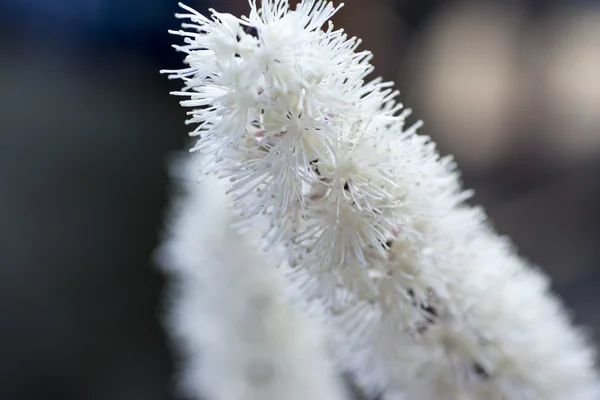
(427,298)
(283,112)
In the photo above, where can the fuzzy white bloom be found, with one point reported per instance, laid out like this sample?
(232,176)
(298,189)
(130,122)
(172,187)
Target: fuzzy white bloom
(425,299)
(231,315)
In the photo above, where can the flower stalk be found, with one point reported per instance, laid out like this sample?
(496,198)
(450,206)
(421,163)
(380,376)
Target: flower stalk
(421,297)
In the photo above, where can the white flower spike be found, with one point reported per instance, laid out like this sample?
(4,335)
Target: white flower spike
(422,299)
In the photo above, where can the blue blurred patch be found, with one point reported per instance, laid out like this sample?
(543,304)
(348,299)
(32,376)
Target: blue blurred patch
(113,24)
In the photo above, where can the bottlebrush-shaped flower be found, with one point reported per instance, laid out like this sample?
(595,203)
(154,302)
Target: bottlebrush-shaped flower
(428,301)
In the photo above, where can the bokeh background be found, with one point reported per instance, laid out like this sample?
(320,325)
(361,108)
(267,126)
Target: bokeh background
(511,87)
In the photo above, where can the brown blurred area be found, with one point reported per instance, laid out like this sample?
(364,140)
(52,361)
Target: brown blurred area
(511,88)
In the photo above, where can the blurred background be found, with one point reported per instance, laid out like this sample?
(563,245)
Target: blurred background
(511,87)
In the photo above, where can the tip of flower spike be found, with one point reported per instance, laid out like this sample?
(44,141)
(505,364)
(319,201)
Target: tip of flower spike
(414,127)
(405,113)
(187,8)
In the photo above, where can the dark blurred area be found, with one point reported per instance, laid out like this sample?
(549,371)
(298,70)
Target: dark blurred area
(511,87)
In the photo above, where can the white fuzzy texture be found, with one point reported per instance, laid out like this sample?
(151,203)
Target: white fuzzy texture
(231,316)
(423,299)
